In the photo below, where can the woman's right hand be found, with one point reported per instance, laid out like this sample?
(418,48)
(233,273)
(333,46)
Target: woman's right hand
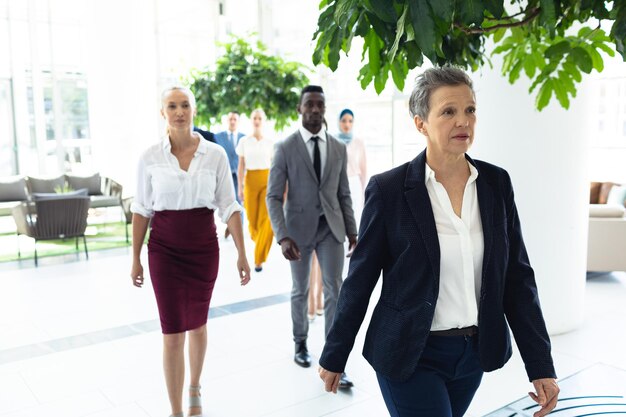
(136,274)
(240,193)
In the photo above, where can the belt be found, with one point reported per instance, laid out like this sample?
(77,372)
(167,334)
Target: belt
(464,331)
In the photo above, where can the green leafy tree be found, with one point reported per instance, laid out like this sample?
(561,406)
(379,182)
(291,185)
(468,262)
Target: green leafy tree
(246,78)
(534,38)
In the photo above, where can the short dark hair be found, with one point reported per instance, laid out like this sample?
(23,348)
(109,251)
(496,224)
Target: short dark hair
(234,112)
(311,89)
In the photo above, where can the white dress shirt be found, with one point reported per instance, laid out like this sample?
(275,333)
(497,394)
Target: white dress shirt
(256,153)
(310,145)
(461,247)
(163,185)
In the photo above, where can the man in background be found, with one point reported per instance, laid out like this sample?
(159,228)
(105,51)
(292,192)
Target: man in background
(229,139)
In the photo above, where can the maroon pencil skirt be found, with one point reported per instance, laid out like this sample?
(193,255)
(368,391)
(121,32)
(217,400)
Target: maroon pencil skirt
(183,256)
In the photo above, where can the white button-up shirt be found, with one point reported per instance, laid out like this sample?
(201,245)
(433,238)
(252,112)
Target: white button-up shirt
(310,145)
(256,153)
(461,246)
(163,185)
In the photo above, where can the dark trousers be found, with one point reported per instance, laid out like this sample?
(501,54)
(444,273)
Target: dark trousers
(444,383)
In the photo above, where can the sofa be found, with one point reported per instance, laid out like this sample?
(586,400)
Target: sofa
(102,191)
(606,248)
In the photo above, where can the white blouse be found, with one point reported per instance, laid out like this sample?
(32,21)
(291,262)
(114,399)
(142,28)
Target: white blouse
(461,245)
(257,153)
(163,185)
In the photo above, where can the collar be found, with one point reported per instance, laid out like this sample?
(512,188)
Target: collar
(306,135)
(430,174)
(203,145)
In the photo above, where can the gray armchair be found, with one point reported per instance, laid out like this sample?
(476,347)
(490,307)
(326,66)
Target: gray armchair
(53,218)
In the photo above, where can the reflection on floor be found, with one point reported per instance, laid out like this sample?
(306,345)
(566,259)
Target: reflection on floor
(77,339)
(597,390)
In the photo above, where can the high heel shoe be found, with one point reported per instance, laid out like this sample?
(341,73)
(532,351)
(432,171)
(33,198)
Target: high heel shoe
(178,415)
(194,401)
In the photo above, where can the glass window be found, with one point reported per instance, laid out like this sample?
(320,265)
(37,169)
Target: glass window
(7,137)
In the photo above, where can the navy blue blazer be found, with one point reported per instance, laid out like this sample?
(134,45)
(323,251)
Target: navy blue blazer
(398,236)
(205,134)
(221,139)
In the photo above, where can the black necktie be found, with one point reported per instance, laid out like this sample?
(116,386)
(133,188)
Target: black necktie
(317,159)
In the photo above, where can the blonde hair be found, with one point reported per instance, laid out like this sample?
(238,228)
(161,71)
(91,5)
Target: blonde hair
(260,111)
(187,91)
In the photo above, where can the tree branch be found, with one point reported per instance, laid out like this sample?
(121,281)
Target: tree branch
(473,31)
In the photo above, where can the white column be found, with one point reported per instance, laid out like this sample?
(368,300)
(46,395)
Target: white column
(546,155)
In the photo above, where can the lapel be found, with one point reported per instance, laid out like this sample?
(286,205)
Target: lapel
(485,205)
(304,153)
(419,203)
(331,153)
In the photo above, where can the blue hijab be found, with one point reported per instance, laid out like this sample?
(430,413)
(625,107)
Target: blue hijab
(346,137)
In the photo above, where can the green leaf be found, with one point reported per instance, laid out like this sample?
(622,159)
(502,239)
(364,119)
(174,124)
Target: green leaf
(442,9)
(561,93)
(471,12)
(596,58)
(618,30)
(323,4)
(582,59)
(362,25)
(365,76)
(423,27)
(399,71)
(498,34)
(572,70)
(399,33)
(502,48)
(413,54)
(529,66)
(373,43)
(380,79)
(543,97)
(548,15)
(515,71)
(334,47)
(607,49)
(557,50)
(383,9)
(567,83)
(344,10)
(320,53)
(495,7)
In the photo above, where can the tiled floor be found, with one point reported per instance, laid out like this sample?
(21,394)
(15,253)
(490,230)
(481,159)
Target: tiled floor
(77,339)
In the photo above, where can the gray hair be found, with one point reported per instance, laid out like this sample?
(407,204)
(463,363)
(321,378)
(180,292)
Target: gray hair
(429,81)
(187,91)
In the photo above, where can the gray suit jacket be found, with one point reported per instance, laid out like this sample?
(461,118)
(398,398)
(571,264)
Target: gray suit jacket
(298,217)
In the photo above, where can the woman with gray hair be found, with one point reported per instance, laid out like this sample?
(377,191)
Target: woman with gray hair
(445,232)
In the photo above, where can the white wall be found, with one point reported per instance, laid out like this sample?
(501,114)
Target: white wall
(546,155)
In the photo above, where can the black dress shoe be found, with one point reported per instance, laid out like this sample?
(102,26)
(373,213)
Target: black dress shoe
(302,357)
(345,382)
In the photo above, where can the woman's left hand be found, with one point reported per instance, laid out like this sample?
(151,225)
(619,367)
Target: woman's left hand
(244,270)
(546,395)
(331,379)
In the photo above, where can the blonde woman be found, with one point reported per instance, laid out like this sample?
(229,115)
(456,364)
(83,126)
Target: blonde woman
(255,158)
(182,180)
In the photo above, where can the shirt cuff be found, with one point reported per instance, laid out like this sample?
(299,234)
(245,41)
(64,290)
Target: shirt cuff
(229,210)
(141,210)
